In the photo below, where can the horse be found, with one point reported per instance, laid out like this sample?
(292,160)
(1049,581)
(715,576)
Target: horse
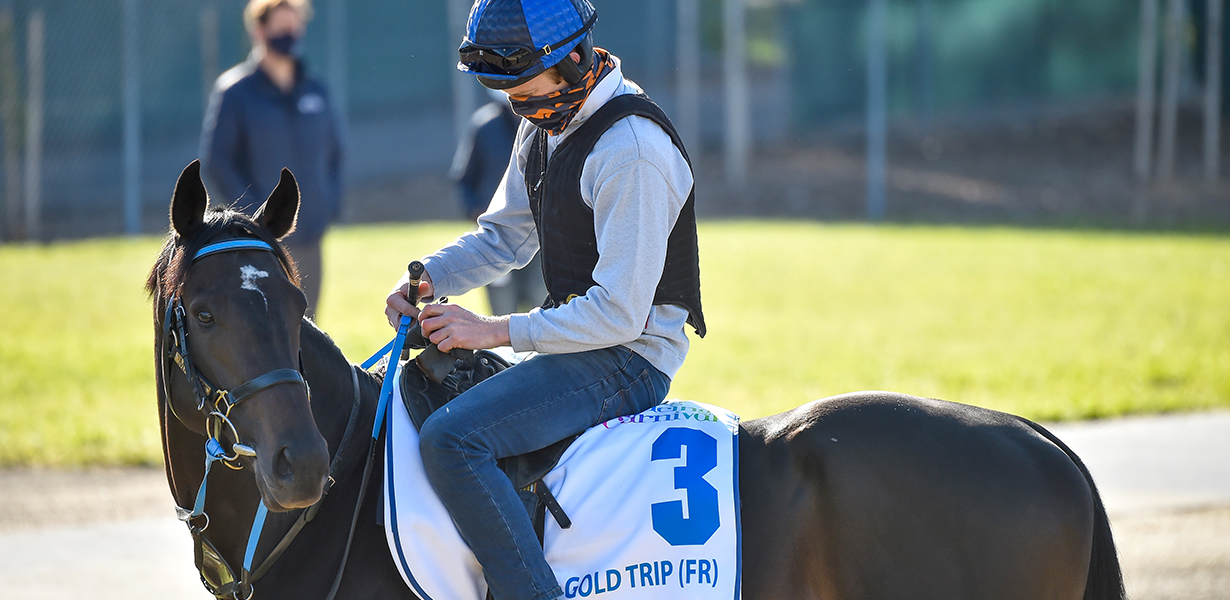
(869,495)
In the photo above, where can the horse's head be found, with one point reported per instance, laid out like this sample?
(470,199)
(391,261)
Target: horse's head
(238,351)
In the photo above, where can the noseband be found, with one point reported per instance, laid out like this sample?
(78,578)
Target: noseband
(176,348)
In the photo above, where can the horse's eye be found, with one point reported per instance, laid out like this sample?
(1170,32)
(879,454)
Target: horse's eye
(205,318)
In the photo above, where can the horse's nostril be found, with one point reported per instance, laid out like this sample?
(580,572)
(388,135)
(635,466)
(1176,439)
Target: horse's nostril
(282,468)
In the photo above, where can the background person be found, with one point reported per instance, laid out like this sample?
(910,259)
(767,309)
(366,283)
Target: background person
(478,168)
(267,113)
(616,227)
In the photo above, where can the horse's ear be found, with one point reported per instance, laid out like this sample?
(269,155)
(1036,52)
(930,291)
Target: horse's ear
(279,212)
(189,202)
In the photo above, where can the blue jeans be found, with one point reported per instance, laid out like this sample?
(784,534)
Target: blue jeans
(529,406)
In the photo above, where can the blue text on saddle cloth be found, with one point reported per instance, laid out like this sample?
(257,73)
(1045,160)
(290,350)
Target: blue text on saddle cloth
(652,497)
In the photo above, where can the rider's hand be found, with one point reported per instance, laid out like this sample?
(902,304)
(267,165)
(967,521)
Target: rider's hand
(397,304)
(449,326)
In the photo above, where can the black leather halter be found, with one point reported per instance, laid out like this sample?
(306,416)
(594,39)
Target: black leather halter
(175,348)
(219,578)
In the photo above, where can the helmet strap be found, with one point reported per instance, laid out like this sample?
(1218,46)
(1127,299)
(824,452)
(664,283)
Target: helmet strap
(572,71)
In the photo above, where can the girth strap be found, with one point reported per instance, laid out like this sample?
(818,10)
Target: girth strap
(548,500)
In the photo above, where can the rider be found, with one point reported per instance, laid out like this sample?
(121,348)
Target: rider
(612,214)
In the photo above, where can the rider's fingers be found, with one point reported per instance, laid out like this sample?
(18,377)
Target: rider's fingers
(440,310)
(392,309)
(432,318)
(440,339)
(446,345)
(429,325)
(397,305)
(395,299)
(426,290)
(446,339)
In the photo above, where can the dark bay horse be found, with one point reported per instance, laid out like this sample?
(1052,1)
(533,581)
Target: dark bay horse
(874,495)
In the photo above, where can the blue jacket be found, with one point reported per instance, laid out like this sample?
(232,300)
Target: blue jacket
(483,155)
(252,130)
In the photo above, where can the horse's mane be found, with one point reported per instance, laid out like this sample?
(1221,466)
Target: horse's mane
(176,256)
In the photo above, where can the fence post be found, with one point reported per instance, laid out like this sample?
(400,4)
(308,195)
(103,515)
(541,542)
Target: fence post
(36,28)
(1146,90)
(924,64)
(210,67)
(877,107)
(1212,91)
(336,30)
(687,61)
(1171,66)
(465,93)
(131,74)
(10,118)
(738,127)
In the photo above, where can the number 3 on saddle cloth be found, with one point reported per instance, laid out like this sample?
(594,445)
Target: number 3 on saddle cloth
(652,501)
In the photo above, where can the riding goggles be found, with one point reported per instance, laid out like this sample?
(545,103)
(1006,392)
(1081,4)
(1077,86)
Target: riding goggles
(511,61)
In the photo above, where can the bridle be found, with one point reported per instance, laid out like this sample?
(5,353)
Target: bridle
(216,574)
(175,338)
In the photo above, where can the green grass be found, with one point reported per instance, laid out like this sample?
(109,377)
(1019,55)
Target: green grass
(76,358)
(1047,324)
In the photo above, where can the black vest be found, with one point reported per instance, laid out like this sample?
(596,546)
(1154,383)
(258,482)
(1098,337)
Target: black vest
(567,243)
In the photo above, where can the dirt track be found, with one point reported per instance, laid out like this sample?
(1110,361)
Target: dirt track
(1176,556)
(1183,555)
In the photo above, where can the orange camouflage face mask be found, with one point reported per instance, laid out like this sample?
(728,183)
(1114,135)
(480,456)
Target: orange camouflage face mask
(553,112)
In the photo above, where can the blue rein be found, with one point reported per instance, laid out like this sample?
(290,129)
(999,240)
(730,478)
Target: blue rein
(392,349)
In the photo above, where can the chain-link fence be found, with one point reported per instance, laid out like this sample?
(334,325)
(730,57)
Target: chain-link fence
(101,102)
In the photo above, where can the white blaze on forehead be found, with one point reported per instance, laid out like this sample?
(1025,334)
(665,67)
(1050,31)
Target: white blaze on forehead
(250,274)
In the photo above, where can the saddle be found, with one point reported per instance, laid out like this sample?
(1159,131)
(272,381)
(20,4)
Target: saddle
(440,377)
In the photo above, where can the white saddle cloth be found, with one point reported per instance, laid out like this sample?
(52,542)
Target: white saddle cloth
(653,500)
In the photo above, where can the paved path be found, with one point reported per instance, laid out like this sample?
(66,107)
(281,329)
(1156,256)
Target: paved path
(1143,465)
(144,558)
(1171,462)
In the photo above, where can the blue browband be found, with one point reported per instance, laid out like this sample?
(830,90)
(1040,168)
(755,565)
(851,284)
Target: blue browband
(232,246)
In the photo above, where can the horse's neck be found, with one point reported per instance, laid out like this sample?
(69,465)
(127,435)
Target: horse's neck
(324,541)
(332,381)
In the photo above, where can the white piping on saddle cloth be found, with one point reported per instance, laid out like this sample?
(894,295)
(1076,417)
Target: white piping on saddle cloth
(429,553)
(652,498)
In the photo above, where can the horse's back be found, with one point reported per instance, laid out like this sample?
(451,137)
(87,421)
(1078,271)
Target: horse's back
(881,495)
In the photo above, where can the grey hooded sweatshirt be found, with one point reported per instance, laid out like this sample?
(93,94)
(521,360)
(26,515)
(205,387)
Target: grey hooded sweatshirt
(636,181)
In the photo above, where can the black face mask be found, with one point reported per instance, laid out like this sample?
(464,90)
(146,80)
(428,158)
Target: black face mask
(286,44)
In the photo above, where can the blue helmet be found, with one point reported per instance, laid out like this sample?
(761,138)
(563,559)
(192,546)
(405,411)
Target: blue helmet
(509,42)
